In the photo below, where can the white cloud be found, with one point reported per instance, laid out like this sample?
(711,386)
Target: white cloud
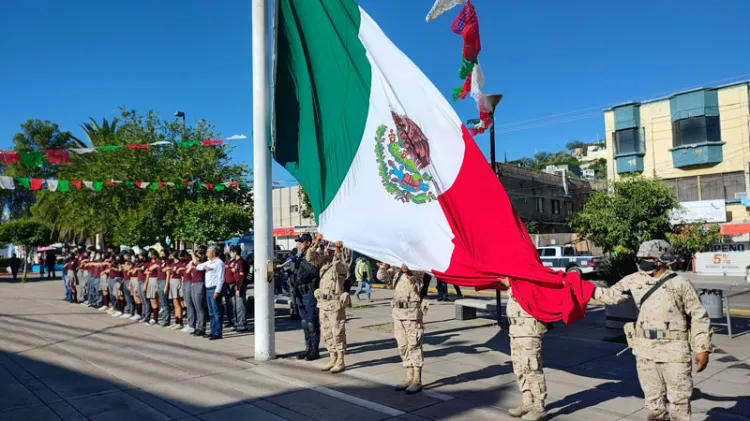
(237,137)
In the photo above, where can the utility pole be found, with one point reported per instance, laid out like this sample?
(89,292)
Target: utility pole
(494,99)
(264,305)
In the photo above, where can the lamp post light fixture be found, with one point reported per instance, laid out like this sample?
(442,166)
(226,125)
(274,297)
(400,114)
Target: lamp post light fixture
(181,114)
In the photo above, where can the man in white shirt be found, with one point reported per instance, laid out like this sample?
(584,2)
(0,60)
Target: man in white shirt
(214,269)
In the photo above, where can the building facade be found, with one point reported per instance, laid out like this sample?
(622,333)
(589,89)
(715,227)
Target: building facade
(288,222)
(697,141)
(548,200)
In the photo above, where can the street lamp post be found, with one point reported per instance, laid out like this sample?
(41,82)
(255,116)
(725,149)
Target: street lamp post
(181,114)
(494,99)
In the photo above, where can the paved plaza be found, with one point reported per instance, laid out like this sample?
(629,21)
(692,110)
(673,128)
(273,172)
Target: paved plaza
(60,361)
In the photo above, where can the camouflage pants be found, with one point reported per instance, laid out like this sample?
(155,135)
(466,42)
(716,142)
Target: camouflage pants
(666,381)
(409,336)
(526,354)
(333,329)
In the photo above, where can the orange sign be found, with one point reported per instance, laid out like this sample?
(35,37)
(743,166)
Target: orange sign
(283,232)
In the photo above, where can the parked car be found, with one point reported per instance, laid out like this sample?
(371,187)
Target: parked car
(567,258)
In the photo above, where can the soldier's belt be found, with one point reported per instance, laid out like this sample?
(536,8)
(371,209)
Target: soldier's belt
(670,335)
(328,297)
(406,304)
(520,321)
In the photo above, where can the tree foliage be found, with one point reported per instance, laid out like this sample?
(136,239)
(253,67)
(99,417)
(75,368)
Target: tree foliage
(205,220)
(632,211)
(689,239)
(576,144)
(121,213)
(28,233)
(306,211)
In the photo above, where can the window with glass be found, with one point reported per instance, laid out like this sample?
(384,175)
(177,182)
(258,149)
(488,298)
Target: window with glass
(540,204)
(696,130)
(729,186)
(628,141)
(569,208)
(555,207)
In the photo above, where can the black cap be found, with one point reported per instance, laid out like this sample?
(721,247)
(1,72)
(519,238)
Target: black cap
(304,237)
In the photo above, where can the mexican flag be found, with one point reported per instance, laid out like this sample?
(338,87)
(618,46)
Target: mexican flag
(388,166)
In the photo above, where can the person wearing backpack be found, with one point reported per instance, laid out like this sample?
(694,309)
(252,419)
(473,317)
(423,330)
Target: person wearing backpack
(671,322)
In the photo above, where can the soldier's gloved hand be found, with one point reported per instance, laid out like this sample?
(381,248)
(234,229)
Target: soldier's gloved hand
(344,297)
(316,294)
(424,305)
(701,361)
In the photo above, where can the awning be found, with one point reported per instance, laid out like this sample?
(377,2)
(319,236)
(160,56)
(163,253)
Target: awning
(735,228)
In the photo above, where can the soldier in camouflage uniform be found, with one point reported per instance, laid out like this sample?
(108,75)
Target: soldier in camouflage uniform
(332,301)
(409,307)
(671,321)
(526,335)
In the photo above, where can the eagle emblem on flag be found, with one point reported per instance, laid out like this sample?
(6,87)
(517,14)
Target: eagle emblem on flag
(402,154)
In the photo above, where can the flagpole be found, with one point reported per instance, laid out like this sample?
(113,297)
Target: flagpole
(264,303)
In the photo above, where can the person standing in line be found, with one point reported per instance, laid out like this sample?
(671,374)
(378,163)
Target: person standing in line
(115,275)
(41,263)
(214,270)
(239,296)
(152,285)
(69,271)
(51,261)
(95,293)
(228,292)
(109,261)
(174,289)
(363,275)
(83,275)
(142,273)
(162,292)
(64,275)
(198,291)
(409,307)
(332,301)
(185,272)
(671,323)
(126,266)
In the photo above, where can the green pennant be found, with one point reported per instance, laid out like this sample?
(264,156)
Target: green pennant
(219,187)
(98,185)
(179,186)
(25,181)
(243,184)
(154,185)
(188,144)
(130,183)
(63,185)
(109,148)
(31,159)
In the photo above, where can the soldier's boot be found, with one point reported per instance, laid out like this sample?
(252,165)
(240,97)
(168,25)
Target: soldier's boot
(526,403)
(537,412)
(407,380)
(331,362)
(339,366)
(313,355)
(416,382)
(304,354)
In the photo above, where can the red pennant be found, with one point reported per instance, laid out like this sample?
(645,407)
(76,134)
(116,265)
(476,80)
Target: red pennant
(9,157)
(159,184)
(36,183)
(76,183)
(467,25)
(212,142)
(57,156)
(141,146)
(210,187)
(110,183)
(234,183)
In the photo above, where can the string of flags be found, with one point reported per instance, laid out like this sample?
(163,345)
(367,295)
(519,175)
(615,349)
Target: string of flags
(466,24)
(51,184)
(32,159)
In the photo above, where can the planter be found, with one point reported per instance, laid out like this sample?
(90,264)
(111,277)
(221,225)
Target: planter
(618,315)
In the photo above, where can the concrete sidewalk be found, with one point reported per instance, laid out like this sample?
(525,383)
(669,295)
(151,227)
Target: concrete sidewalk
(63,361)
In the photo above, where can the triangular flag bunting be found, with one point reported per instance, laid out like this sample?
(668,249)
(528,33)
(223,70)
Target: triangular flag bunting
(156,185)
(89,185)
(76,183)
(188,144)
(81,151)
(142,146)
(442,6)
(9,157)
(219,187)
(52,184)
(212,142)
(98,185)
(108,148)
(37,183)
(62,185)
(142,184)
(130,183)
(7,183)
(25,182)
(57,156)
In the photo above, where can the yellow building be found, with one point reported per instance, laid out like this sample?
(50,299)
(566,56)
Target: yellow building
(697,141)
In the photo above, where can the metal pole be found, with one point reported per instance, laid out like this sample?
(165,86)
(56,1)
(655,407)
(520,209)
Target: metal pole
(729,317)
(498,297)
(264,305)
(184,127)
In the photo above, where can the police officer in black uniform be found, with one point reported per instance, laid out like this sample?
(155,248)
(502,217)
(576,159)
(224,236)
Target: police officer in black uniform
(304,280)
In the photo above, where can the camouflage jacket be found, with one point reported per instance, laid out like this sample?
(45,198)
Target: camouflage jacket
(669,323)
(522,324)
(332,276)
(406,293)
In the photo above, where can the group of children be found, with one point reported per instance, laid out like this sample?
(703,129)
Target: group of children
(152,285)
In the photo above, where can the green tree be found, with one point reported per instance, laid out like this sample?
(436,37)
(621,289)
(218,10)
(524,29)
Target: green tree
(207,220)
(689,239)
(28,233)
(631,211)
(576,144)
(531,226)
(140,216)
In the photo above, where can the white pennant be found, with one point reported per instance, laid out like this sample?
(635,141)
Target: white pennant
(442,6)
(7,183)
(82,150)
(52,184)
(89,185)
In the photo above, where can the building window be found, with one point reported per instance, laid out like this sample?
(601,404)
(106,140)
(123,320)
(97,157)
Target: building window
(712,187)
(294,208)
(685,189)
(569,208)
(729,187)
(555,207)
(629,141)
(540,205)
(734,186)
(695,130)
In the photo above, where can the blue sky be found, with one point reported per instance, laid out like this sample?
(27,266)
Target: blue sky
(66,61)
